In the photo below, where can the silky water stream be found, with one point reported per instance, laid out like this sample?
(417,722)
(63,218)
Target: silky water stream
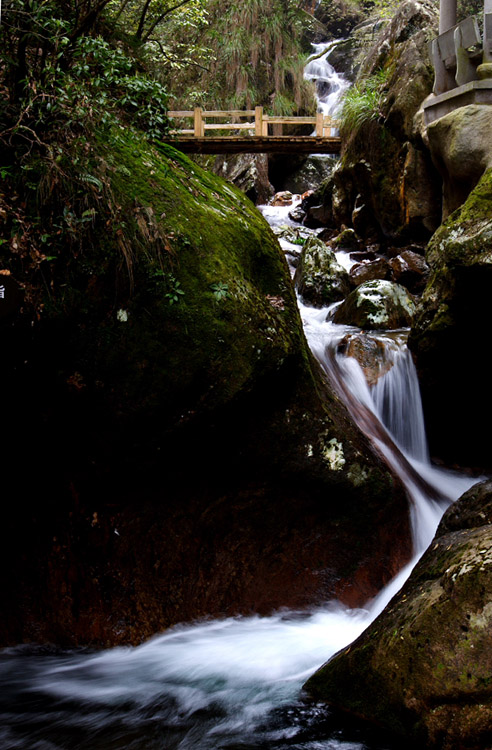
(233,683)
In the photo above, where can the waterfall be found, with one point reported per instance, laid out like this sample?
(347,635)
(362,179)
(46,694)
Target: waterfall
(330,85)
(235,683)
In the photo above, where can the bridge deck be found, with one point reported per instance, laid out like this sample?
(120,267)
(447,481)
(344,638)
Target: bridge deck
(281,144)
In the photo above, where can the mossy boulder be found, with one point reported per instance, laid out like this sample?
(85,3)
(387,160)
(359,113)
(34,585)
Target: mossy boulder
(424,667)
(347,240)
(185,456)
(319,277)
(377,305)
(451,325)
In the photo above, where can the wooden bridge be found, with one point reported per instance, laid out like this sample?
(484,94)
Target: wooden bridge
(260,133)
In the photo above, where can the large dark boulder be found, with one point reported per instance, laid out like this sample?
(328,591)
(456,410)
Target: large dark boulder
(173,451)
(423,668)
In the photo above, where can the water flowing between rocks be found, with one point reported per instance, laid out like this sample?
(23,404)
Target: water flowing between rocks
(236,683)
(233,683)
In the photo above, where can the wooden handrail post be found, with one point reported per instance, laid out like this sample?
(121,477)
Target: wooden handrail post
(319,124)
(198,122)
(258,120)
(264,127)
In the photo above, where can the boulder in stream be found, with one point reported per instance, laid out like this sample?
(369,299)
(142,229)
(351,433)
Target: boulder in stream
(319,277)
(378,268)
(369,352)
(423,669)
(377,305)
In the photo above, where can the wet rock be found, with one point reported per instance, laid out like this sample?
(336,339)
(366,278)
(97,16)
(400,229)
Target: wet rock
(347,240)
(249,172)
(310,173)
(369,352)
(320,279)
(318,216)
(377,305)
(369,271)
(293,234)
(283,198)
(410,270)
(297,214)
(422,669)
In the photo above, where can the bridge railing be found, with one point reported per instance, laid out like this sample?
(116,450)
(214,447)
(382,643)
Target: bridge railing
(257,123)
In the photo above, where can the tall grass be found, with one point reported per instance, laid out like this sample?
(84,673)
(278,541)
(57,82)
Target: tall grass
(363,103)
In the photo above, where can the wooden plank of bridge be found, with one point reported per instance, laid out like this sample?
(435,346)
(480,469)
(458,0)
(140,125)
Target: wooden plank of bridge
(258,120)
(198,122)
(256,144)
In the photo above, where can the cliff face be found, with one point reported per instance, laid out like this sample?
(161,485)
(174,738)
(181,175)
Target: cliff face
(386,186)
(452,323)
(184,456)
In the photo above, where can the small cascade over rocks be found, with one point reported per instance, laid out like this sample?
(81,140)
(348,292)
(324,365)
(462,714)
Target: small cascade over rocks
(330,85)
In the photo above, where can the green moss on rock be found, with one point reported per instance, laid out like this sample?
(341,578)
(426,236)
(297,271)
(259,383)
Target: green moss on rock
(320,279)
(376,305)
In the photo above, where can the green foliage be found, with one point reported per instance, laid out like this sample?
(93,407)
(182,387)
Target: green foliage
(220,291)
(250,54)
(382,8)
(469,8)
(363,103)
(60,76)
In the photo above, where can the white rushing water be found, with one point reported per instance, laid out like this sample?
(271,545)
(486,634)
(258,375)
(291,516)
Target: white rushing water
(235,683)
(330,85)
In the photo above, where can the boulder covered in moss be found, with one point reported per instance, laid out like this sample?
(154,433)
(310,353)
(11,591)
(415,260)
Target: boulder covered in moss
(451,327)
(319,277)
(423,668)
(377,305)
(173,450)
